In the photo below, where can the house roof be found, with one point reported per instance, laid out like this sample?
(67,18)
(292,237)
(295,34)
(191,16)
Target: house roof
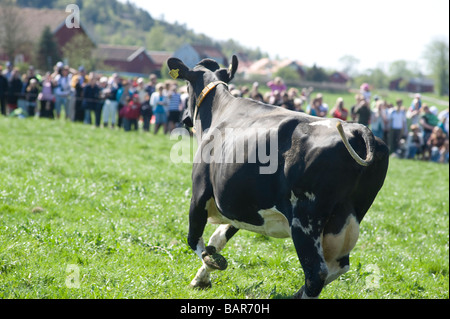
(159,57)
(119,52)
(206,51)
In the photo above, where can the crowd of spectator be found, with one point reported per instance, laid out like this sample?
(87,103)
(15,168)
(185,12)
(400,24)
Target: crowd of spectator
(414,131)
(91,98)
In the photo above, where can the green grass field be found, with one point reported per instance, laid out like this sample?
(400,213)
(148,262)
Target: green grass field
(112,206)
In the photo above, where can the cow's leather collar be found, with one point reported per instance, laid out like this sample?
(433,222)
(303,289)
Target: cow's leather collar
(203,94)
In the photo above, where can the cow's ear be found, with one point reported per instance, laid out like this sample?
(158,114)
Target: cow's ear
(233,67)
(178,70)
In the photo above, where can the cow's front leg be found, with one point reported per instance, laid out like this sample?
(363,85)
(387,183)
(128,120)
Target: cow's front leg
(211,260)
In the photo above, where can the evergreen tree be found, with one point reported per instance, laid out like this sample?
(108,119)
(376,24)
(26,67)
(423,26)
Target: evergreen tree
(47,52)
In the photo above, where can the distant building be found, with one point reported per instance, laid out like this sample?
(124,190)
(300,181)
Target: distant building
(418,85)
(339,77)
(191,54)
(266,67)
(130,59)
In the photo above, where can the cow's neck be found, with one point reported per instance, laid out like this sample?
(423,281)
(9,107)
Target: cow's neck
(211,109)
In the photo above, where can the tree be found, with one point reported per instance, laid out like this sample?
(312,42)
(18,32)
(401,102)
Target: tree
(437,57)
(400,69)
(349,63)
(78,51)
(12,34)
(316,74)
(288,74)
(47,51)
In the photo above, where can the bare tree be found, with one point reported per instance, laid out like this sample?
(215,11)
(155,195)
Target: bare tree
(12,34)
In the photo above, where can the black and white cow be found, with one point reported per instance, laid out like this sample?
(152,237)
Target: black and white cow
(327,174)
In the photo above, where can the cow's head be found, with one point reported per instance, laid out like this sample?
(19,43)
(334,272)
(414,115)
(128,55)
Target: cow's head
(204,73)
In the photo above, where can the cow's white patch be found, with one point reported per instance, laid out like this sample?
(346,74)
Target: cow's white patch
(306,230)
(336,246)
(326,123)
(310,196)
(293,199)
(219,238)
(275,223)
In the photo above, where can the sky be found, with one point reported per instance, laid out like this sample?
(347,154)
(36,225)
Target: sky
(316,31)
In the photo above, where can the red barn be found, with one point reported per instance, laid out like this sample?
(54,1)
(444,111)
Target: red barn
(129,59)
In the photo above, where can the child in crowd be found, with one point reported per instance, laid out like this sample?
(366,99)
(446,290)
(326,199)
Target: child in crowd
(131,113)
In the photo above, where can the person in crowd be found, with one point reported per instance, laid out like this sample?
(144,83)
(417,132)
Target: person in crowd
(287,102)
(417,101)
(314,108)
(3,91)
(15,86)
(438,145)
(147,113)
(275,98)
(91,99)
(413,113)
(339,111)
(175,107)
(78,83)
(47,98)
(150,88)
(159,102)
(63,81)
(427,121)
(364,90)
(31,94)
(140,89)
(443,117)
(323,107)
(298,104)
(110,105)
(9,70)
(123,96)
(131,113)
(361,111)
(255,94)
(397,125)
(277,84)
(414,142)
(378,120)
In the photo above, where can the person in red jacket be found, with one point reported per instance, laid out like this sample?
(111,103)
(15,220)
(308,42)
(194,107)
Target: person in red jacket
(131,113)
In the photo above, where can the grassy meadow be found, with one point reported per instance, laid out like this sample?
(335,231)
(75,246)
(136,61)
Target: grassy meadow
(98,213)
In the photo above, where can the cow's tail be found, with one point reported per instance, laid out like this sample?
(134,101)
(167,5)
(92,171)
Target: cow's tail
(369,141)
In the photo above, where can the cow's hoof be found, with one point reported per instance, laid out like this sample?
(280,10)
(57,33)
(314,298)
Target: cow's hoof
(214,260)
(200,285)
(299,294)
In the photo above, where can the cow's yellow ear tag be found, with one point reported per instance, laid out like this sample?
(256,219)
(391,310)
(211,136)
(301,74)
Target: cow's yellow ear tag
(174,73)
(230,67)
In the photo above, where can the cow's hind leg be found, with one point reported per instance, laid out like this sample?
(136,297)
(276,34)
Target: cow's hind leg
(211,258)
(306,233)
